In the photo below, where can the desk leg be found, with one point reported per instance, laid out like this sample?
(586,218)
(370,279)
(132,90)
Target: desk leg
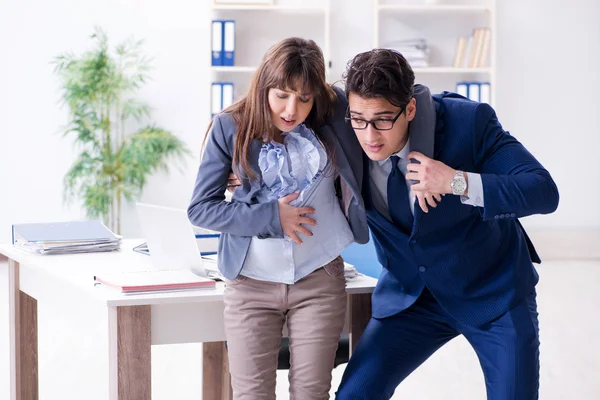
(130,353)
(360,314)
(216,381)
(23,339)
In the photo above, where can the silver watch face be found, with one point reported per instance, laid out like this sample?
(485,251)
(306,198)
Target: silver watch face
(459,185)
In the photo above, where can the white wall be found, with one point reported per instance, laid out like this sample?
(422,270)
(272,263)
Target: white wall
(548,58)
(548,63)
(548,80)
(34,156)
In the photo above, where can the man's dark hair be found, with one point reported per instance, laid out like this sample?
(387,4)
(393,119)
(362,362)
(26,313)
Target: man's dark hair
(380,73)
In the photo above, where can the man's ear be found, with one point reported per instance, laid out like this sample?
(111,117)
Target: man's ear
(411,109)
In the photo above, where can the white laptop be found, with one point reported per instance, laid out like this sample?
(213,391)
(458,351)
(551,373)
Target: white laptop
(171,240)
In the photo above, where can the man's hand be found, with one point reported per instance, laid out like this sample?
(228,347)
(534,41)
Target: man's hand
(434,179)
(232,182)
(426,198)
(292,218)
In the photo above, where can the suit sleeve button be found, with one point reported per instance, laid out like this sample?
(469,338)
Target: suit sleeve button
(422,268)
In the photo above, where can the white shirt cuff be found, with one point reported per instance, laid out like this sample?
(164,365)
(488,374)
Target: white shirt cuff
(475,197)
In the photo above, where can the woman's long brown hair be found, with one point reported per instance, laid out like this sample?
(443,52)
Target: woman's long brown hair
(293,64)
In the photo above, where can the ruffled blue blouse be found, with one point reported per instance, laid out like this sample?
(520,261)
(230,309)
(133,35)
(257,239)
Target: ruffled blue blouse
(293,165)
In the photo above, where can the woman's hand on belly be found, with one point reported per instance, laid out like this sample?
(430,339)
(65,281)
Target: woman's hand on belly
(292,218)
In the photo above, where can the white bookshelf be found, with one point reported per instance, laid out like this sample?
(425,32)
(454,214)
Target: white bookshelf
(451,70)
(434,7)
(233,69)
(441,23)
(284,7)
(258,27)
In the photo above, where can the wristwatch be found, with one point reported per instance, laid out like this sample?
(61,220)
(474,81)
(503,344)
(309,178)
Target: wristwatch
(459,184)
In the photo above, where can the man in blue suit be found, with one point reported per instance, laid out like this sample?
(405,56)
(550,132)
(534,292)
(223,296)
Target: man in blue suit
(443,191)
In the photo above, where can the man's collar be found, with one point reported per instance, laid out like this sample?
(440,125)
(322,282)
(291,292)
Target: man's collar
(402,153)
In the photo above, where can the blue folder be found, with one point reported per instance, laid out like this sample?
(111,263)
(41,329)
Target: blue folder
(72,231)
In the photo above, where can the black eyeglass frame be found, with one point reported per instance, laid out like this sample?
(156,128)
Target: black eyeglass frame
(373,122)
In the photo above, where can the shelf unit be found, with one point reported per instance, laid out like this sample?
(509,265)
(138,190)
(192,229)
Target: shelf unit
(233,69)
(434,7)
(281,7)
(256,31)
(440,22)
(451,70)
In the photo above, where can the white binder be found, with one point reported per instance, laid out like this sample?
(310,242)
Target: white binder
(462,89)
(227,94)
(216,98)
(474,91)
(485,95)
(229,43)
(217,43)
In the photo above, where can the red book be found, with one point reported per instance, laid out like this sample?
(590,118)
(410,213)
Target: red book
(158,280)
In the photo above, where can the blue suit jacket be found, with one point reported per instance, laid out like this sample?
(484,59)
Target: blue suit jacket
(477,262)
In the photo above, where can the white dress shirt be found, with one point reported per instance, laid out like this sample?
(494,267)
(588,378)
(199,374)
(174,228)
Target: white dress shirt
(380,170)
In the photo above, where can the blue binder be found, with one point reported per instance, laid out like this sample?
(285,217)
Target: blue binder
(217,43)
(226,94)
(485,95)
(221,96)
(216,98)
(462,88)
(474,91)
(229,43)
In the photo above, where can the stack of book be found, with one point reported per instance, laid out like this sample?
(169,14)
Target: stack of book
(154,281)
(415,51)
(65,237)
(472,51)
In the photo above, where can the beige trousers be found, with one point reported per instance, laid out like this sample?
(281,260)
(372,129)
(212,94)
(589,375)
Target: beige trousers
(255,312)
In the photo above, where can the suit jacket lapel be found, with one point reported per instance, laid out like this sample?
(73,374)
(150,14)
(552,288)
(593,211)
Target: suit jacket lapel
(422,128)
(422,131)
(342,162)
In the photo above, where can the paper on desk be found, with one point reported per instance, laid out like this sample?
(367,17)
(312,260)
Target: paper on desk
(65,237)
(349,271)
(153,280)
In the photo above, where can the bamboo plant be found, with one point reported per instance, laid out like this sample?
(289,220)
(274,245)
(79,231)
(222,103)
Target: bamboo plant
(98,87)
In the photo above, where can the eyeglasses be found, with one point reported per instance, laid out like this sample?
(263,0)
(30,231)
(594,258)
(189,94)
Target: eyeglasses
(381,124)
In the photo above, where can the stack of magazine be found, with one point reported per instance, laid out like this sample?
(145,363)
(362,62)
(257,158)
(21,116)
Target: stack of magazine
(65,237)
(154,281)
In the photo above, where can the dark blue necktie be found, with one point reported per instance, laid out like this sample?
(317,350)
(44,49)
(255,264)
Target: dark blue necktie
(398,200)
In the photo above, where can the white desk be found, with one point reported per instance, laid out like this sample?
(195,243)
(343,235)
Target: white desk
(135,322)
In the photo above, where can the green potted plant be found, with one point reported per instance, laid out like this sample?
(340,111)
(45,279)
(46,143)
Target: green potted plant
(98,87)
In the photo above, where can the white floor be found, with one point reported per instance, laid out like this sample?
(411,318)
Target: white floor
(72,367)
